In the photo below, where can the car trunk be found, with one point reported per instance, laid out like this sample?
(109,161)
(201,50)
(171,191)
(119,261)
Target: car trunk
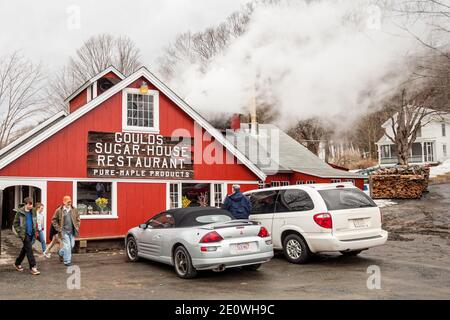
(352,224)
(354,215)
(239,237)
(237,229)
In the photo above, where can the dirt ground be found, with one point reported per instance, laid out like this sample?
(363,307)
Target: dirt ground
(414,264)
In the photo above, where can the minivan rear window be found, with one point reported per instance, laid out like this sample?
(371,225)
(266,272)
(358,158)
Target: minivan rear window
(341,199)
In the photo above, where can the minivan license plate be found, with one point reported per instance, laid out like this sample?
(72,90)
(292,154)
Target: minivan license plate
(360,223)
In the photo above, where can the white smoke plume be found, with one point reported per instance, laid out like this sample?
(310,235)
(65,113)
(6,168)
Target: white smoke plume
(331,59)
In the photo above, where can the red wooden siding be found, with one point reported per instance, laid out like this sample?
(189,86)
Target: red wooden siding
(56,190)
(64,154)
(136,203)
(79,101)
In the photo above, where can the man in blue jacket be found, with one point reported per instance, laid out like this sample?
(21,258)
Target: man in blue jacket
(238,204)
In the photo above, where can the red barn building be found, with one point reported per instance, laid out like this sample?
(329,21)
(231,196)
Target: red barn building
(129,148)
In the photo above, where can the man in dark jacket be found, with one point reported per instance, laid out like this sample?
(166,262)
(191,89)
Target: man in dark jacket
(25,227)
(237,204)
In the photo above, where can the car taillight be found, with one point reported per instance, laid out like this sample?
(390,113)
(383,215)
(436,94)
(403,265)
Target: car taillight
(324,220)
(211,237)
(263,233)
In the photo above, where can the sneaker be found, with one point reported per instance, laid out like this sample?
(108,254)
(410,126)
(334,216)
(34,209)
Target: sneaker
(34,271)
(18,267)
(47,255)
(68,264)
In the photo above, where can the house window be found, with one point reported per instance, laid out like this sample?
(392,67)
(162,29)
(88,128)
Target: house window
(385,151)
(174,194)
(299,182)
(261,185)
(310,182)
(275,183)
(284,183)
(140,112)
(350,180)
(95,199)
(444,150)
(218,194)
(335,180)
(443,129)
(419,132)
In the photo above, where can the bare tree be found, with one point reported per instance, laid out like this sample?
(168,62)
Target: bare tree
(408,114)
(310,132)
(95,55)
(434,13)
(21,94)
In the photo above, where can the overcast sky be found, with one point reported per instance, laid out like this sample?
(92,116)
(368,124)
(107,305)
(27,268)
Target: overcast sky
(48,31)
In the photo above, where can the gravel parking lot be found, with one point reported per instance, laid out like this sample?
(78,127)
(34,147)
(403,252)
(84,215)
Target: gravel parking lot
(414,264)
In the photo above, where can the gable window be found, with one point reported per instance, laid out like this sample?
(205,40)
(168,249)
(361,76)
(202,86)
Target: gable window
(140,112)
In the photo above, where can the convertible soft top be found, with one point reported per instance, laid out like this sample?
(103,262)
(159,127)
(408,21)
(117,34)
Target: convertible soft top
(187,217)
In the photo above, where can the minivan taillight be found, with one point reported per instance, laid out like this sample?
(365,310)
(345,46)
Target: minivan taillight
(212,236)
(263,233)
(324,220)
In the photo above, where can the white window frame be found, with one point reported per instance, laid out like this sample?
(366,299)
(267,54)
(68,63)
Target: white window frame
(212,199)
(168,201)
(336,180)
(125,126)
(275,184)
(298,182)
(284,183)
(261,184)
(114,213)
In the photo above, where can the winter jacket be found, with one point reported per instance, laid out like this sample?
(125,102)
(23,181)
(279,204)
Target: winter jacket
(58,220)
(238,204)
(20,222)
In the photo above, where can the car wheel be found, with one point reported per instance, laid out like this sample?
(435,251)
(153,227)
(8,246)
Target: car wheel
(295,249)
(132,249)
(183,263)
(351,253)
(252,267)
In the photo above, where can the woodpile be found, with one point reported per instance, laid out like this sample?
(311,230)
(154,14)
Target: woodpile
(399,182)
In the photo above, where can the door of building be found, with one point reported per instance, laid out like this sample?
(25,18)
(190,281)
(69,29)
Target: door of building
(428,151)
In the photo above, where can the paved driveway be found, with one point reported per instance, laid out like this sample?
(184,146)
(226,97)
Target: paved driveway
(414,264)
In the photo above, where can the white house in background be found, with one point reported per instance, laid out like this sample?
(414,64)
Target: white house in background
(431,145)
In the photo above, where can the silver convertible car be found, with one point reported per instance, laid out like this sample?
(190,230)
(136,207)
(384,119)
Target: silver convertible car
(200,238)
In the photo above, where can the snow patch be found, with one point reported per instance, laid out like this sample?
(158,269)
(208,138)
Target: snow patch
(381,203)
(443,168)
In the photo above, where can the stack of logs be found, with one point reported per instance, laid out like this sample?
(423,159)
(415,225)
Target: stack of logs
(399,182)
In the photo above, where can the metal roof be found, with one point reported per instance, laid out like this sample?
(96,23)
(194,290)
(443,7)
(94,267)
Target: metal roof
(24,139)
(287,156)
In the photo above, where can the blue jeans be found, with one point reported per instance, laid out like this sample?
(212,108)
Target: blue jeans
(42,240)
(68,242)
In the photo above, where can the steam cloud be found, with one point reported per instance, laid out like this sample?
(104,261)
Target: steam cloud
(332,59)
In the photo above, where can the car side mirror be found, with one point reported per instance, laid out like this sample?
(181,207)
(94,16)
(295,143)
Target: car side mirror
(143,226)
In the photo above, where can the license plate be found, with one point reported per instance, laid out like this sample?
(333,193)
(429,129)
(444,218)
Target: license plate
(360,223)
(245,247)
